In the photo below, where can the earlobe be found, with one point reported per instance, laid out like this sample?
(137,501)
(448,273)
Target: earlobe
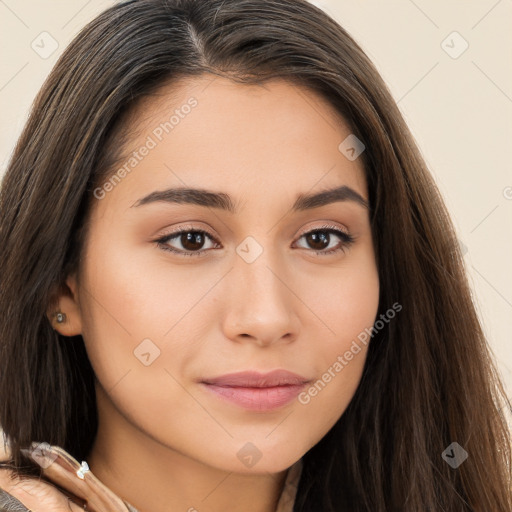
(64,313)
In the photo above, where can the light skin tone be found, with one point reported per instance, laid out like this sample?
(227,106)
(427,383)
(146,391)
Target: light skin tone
(164,443)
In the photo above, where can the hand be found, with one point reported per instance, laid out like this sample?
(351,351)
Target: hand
(37,495)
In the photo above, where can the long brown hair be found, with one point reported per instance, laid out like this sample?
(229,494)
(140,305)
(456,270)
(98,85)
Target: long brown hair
(429,379)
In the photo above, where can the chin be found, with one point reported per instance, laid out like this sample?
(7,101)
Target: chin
(260,461)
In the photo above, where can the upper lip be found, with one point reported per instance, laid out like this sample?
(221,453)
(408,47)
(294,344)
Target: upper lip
(254,379)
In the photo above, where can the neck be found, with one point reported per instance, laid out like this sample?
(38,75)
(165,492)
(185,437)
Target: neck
(156,478)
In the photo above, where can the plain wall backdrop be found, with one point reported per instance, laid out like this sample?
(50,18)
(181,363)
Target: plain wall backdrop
(448,66)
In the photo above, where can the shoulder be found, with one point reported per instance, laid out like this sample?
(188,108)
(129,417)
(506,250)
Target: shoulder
(30,493)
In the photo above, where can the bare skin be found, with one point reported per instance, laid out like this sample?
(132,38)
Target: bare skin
(37,496)
(164,441)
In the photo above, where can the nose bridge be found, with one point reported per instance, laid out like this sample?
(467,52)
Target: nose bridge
(258,269)
(260,302)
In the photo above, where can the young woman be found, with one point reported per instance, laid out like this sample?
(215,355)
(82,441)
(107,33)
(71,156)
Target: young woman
(228,281)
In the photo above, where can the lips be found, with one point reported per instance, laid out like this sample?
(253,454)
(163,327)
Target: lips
(252,379)
(259,392)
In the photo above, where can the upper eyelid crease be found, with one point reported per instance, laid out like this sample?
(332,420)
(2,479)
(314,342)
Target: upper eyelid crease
(188,229)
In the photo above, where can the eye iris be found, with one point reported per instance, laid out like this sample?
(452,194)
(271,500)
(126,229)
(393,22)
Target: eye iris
(192,237)
(317,239)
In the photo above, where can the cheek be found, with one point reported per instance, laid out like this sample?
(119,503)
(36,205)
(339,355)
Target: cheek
(136,314)
(325,400)
(339,361)
(344,298)
(128,308)
(346,307)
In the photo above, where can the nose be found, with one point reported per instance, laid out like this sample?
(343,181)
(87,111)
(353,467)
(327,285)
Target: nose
(261,303)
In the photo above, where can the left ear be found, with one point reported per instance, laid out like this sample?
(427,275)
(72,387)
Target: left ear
(66,301)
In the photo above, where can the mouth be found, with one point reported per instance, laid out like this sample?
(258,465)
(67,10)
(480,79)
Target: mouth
(257,391)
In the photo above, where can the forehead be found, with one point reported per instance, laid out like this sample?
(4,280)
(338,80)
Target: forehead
(246,140)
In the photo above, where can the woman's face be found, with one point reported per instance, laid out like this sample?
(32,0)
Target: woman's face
(252,294)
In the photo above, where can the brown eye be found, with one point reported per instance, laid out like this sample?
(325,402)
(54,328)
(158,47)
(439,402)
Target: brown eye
(192,242)
(320,239)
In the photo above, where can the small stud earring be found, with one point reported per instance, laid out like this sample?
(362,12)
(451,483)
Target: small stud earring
(61,317)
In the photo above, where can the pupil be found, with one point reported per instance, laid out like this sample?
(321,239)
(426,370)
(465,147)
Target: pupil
(189,239)
(313,239)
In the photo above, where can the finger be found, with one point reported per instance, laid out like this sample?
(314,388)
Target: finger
(74,507)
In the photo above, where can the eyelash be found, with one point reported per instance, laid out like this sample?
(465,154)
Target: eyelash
(347,240)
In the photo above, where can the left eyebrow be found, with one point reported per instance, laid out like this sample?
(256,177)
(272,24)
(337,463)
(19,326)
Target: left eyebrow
(223,201)
(339,194)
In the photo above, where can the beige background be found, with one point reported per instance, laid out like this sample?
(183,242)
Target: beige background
(459,109)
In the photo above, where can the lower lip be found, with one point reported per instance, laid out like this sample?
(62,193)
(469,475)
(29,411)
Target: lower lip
(257,399)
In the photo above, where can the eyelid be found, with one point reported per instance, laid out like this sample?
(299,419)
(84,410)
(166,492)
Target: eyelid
(324,226)
(185,229)
(165,237)
(342,233)
(191,227)
(161,241)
